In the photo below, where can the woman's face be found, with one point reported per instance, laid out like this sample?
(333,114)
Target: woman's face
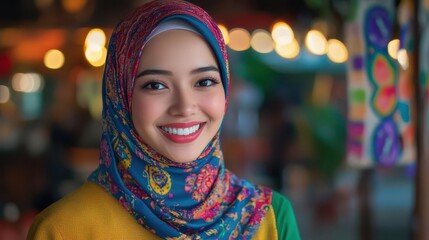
(178,99)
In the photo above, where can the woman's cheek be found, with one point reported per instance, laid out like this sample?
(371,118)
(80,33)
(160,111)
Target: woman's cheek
(215,106)
(146,110)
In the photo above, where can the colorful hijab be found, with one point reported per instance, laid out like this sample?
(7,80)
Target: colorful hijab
(200,199)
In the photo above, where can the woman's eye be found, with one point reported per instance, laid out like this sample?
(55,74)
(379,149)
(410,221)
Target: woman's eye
(154,86)
(206,83)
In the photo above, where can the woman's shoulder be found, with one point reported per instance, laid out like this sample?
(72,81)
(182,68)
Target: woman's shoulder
(69,212)
(88,198)
(287,227)
(280,202)
(88,211)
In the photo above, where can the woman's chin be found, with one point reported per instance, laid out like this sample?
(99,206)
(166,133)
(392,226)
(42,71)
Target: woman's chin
(182,153)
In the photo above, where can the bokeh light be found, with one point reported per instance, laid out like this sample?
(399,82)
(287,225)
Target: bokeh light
(73,6)
(54,59)
(95,36)
(316,42)
(11,212)
(101,59)
(392,48)
(239,39)
(94,49)
(4,94)
(27,82)
(282,33)
(261,41)
(290,50)
(16,81)
(403,58)
(337,51)
(93,53)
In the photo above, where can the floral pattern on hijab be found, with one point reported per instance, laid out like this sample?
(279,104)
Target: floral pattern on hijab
(198,200)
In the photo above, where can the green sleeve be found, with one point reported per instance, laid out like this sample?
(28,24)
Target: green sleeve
(287,229)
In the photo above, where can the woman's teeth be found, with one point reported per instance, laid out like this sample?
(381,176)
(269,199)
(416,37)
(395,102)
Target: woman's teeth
(181,131)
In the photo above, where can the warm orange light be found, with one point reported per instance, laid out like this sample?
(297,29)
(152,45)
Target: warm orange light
(261,41)
(73,6)
(95,36)
(95,51)
(290,50)
(336,51)
(54,59)
(101,60)
(403,58)
(239,39)
(282,33)
(27,82)
(316,42)
(392,48)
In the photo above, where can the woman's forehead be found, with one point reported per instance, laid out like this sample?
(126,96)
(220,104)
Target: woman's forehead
(177,48)
(171,24)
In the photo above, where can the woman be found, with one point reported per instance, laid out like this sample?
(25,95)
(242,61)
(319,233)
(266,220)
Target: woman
(161,172)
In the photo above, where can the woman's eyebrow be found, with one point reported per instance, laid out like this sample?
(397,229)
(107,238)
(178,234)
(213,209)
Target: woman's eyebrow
(169,73)
(154,72)
(204,69)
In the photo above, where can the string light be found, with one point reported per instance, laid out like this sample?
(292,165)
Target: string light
(403,58)
(261,41)
(239,39)
(336,51)
(27,82)
(282,33)
(289,50)
(54,59)
(95,36)
(316,42)
(392,48)
(94,49)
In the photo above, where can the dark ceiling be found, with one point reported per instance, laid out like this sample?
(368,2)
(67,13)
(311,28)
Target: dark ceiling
(107,12)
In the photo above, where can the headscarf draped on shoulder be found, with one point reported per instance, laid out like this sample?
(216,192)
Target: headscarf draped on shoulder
(200,199)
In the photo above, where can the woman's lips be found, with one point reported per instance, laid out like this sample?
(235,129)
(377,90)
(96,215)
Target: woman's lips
(182,132)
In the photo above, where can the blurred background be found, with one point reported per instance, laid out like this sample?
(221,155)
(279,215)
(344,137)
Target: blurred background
(292,121)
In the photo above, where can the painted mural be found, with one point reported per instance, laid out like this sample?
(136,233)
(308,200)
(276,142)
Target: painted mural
(380,119)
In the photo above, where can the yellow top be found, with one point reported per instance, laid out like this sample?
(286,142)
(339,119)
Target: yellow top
(91,213)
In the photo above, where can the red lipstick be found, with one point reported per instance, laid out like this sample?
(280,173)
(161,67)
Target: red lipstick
(175,132)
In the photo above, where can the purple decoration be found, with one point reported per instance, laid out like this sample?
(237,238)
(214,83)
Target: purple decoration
(386,143)
(378,27)
(358,62)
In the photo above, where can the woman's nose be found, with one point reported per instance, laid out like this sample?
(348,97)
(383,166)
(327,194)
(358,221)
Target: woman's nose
(183,104)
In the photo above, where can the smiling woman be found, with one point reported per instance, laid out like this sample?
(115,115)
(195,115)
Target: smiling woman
(162,172)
